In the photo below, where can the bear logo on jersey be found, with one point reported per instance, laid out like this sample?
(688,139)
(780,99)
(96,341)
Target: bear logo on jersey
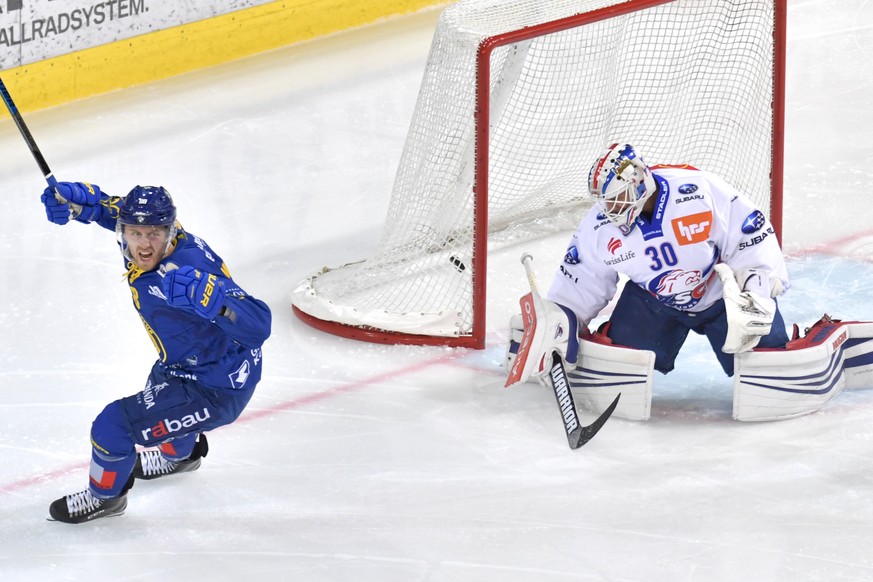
(679,288)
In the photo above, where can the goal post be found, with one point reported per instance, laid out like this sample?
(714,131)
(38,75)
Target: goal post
(518,97)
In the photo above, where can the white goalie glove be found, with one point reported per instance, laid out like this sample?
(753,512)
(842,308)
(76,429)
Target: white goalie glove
(749,310)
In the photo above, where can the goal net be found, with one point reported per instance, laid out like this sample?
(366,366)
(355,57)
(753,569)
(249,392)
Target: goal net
(517,99)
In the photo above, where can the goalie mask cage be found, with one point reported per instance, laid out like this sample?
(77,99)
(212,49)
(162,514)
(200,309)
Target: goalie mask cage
(518,98)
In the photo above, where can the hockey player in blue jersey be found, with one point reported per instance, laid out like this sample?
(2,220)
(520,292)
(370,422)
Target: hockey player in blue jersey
(208,333)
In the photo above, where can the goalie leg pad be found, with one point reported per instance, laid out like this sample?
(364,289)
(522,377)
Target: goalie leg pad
(716,331)
(603,371)
(806,375)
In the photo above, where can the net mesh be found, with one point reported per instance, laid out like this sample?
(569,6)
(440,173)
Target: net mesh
(689,81)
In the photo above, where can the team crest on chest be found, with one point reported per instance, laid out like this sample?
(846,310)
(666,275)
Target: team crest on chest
(679,288)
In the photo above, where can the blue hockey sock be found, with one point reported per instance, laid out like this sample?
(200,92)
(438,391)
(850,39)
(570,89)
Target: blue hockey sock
(109,475)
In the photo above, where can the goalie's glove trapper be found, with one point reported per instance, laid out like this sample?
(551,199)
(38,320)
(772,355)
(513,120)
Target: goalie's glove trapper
(749,312)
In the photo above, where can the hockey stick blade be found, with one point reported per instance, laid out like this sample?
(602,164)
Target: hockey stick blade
(577,434)
(586,433)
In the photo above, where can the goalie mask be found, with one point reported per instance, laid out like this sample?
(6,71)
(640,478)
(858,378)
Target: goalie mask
(621,183)
(147,206)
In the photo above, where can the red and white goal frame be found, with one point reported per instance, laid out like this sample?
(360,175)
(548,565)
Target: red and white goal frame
(518,97)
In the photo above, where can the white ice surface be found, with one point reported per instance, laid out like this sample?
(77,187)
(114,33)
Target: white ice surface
(375,463)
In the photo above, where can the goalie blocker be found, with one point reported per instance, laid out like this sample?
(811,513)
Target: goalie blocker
(548,340)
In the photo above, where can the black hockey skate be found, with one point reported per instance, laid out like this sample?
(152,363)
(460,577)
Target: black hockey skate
(151,464)
(83,506)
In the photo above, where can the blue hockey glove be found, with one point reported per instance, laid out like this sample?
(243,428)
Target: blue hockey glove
(79,193)
(188,288)
(55,210)
(85,195)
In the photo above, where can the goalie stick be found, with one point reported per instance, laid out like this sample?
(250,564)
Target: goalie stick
(577,434)
(75,209)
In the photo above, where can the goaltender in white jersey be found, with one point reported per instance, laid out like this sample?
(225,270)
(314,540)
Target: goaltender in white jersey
(693,221)
(666,229)
(698,256)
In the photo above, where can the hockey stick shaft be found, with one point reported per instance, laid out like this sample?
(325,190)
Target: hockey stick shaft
(34,149)
(577,434)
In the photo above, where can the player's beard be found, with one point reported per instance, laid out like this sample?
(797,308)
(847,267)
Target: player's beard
(147,257)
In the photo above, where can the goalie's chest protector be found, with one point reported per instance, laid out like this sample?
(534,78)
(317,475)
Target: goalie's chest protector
(673,253)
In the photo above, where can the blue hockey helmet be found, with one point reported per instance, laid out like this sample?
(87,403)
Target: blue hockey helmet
(147,206)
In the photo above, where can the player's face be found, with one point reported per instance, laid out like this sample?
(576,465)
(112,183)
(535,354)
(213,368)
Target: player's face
(146,244)
(620,204)
(617,207)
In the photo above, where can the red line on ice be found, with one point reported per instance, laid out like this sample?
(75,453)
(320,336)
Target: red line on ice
(258,414)
(829,248)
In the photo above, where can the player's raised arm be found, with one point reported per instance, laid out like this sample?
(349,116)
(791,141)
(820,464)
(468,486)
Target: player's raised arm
(93,205)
